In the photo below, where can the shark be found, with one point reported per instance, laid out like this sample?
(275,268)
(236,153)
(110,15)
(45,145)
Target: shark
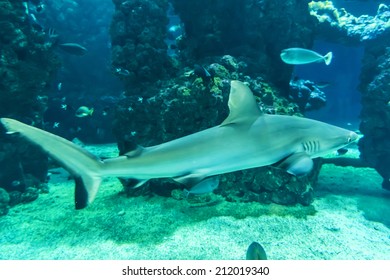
(247,138)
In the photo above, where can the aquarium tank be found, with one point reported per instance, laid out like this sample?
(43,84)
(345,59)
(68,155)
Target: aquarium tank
(194,130)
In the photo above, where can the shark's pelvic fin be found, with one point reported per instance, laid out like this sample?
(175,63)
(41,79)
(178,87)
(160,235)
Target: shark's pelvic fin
(242,105)
(135,153)
(205,186)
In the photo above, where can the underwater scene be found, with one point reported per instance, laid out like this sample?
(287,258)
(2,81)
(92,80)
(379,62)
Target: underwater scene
(194,130)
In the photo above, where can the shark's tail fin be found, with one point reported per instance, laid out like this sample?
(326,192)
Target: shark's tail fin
(82,165)
(86,189)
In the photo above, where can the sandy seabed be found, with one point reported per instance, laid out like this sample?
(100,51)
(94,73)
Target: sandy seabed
(349,219)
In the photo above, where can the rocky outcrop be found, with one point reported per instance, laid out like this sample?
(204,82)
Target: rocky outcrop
(341,26)
(375,124)
(307,95)
(374,31)
(139,53)
(26,69)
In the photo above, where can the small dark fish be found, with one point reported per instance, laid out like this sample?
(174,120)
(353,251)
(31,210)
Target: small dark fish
(126,4)
(122,71)
(256,252)
(73,48)
(40,7)
(201,72)
(105,111)
(342,151)
(174,28)
(15,183)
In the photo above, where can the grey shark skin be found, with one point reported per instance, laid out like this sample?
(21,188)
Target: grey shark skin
(246,139)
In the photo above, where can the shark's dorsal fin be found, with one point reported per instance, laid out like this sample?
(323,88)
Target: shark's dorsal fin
(242,104)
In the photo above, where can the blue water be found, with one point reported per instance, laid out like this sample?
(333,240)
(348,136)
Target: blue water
(343,97)
(85,80)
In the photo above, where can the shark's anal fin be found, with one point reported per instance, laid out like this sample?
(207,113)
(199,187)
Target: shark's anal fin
(298,164)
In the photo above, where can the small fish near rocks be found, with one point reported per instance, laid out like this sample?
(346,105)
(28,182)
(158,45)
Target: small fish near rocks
(73,49)
(84,111)
(297,56)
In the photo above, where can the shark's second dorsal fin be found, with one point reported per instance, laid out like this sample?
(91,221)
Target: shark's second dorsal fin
(242,104)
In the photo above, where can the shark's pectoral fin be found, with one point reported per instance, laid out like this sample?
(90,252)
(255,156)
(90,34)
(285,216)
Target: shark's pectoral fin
(242,105)
(207,185)
(298,164)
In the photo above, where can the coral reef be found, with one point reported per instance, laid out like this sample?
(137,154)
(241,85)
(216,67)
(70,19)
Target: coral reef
(27,65)
(375,115)
(347,27)
(139,53)
(249,30)
(307,95)
(374,77)
(4,200)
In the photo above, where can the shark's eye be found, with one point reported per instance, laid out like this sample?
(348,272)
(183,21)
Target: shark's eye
(349,140)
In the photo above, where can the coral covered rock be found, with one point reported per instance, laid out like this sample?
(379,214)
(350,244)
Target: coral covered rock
(27,66)
(249,29)
(345,27)
(374,85)
(4,200)
(375,124)
(139,53)
(307,95)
